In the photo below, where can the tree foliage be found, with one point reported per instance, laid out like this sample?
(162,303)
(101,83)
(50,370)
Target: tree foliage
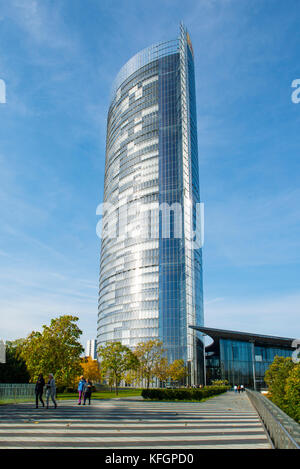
(292,393)
(276,377)
(91,369)
(115,360)
(14,370)
(177,370)
(162,369)
(149,354)
(145,362)
(283,380)
(55,350)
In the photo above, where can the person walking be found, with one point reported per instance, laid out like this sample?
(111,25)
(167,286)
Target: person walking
(87,391)
(235,388)
(80,389)
(39,388)
(51,390)
(239,389)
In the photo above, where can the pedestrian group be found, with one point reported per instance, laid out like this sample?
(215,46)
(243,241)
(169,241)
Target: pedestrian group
(240,388)
(84,390)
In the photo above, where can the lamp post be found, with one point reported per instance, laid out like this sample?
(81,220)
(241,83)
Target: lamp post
(204,360)
(253,364)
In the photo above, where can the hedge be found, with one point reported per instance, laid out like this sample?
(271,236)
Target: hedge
(194,394)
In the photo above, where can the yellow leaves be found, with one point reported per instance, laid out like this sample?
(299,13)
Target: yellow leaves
(177,370)
(90,369)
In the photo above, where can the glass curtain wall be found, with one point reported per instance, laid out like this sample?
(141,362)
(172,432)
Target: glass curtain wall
(242,362)
(150,282)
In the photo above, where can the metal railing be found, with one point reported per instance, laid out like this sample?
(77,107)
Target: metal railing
(16,392)
(282,429)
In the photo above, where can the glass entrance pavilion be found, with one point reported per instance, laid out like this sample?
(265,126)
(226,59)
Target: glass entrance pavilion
(241,357)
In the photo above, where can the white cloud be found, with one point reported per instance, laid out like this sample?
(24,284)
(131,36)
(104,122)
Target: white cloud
(42,22)
(276,315)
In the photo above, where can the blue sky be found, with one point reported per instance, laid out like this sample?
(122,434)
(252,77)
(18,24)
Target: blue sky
(58,59)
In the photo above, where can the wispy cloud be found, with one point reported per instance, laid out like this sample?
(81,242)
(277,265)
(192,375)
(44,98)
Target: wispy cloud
(28,313)
(276,315)
(41,21)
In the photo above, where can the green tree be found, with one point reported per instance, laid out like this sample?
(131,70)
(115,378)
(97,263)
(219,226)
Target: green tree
(276,378)
(149,354)
(55,350)
(162,369)
(178,370)
(292,393)
(131,377)
(115,360)
(14,370)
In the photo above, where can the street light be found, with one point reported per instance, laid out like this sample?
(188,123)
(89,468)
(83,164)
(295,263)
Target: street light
(253,363)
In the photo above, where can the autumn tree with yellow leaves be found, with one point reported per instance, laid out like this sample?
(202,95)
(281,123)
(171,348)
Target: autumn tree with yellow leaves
(91,369)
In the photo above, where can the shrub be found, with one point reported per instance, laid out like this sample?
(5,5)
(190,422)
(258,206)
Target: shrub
(283,380)
(220,382)
(195,394)
(276,378)
(292,393)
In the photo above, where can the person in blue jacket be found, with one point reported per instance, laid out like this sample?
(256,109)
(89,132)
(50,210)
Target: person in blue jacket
(81,385)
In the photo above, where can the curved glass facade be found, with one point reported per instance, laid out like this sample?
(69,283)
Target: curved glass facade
(243,358)
(242,362)
(150,279)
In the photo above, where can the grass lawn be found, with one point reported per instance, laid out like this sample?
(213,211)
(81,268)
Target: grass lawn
(103,394)
(66,396)
(16,401)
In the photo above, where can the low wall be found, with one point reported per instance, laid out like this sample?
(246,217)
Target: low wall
(282,429)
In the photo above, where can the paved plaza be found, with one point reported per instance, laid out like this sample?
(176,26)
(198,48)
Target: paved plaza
(225,421)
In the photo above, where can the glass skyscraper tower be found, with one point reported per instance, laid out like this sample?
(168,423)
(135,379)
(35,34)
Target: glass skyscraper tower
(151,269)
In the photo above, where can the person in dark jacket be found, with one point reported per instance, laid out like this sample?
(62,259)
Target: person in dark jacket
(87,391)
(39,388)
